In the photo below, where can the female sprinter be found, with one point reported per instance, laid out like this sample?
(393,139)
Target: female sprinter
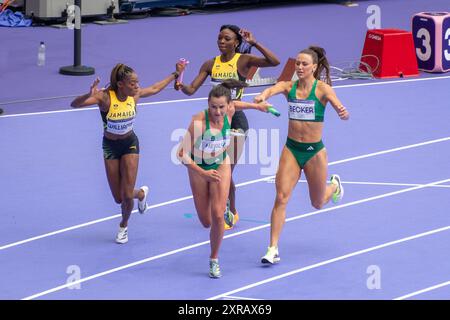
(233,63)
(117,106)
(304,149)
(204,152)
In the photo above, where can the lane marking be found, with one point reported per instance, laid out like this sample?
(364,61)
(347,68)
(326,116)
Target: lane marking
(239,298)
(205,98)
(441,285)
(190,197)
(384,184)
(196,245)
(327,262)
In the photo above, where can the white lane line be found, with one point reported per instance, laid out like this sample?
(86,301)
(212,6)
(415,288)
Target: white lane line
(133,264)
(204,98)
(391,150)
(441,285)
(394,184)
(238,185)
(384,184)
(87,224)
(238,298)
(326,262)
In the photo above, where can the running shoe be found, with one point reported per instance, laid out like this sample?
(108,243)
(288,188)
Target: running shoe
(229,220)
(271,256)
(339,193)
(122,235)
(142,205)
(228,217)
(235,218)
(214,269)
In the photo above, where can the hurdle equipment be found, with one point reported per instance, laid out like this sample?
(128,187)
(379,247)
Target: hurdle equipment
(394,50)
(288,72)
(431,31)
(254,79)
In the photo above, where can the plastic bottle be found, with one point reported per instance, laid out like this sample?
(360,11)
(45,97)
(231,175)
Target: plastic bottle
(41,54)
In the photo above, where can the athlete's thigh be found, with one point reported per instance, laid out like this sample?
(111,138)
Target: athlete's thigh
(316,175)
(200,193)
(128,170)
(288,173)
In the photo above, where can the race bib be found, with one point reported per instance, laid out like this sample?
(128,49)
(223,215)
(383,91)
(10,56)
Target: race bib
(302,110)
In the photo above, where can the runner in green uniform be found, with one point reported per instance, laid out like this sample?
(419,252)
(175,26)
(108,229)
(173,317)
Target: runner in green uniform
(304,150)
(204,152)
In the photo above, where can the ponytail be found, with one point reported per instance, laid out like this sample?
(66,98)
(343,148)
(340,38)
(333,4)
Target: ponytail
(319,57)
(224,89)
(119,73)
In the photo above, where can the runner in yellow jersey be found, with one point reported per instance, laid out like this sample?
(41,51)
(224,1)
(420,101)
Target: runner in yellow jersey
(117,106)
(232,63)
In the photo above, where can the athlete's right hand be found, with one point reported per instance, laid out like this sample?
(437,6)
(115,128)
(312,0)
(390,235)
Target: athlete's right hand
(94,90)
(211,175)
(178,85)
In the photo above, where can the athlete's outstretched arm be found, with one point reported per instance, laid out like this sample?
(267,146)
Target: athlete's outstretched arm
(198,80)
(158,86)
(279,87)
(243,105)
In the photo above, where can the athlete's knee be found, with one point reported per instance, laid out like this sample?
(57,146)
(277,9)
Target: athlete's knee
(127,198)
(118,199)
(282,198)
(217,211)
(206,222)
(317,204)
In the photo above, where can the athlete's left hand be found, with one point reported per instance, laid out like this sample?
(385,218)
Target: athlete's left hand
(179,67)
(248,36)
(343,113)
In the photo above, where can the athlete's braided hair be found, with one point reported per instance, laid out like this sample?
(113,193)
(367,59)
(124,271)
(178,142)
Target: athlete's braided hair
(119,73)
(319,57)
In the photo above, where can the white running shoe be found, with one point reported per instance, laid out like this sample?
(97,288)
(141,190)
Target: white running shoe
(271,256)
(142,205)
(214,269)
(122,235)
(339,193)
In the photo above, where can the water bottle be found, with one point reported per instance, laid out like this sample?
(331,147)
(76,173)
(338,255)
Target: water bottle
(41,54)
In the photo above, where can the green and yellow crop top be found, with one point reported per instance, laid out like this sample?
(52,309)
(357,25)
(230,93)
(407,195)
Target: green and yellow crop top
(309,109)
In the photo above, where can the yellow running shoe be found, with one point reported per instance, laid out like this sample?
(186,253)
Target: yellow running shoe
(235,218)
